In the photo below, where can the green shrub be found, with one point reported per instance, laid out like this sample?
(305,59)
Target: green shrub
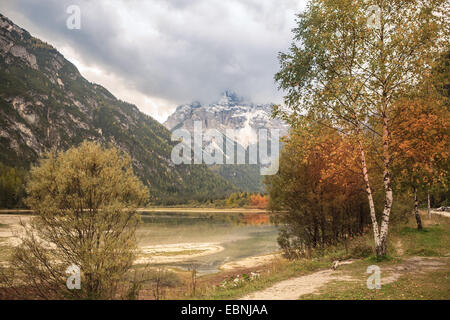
(359,248)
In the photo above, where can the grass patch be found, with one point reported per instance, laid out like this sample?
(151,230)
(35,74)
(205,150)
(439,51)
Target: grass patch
(424,252)
(404,241)
(432,241)
(375,259)
(278,271)
(283,269)
(433,285)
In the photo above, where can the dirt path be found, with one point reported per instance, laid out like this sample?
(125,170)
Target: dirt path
(293,289)
(414,264)
(441,213)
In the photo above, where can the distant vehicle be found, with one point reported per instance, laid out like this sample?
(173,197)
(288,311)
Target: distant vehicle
(446,209)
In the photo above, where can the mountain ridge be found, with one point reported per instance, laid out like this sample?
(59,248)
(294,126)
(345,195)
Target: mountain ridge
(45,102)
(243,118)
(229,112)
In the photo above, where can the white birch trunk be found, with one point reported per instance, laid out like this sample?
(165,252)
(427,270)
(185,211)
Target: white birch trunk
(373,215)
(388,194)
(380,233)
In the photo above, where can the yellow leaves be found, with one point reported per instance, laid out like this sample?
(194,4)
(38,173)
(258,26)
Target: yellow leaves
(327,158)
(420,136)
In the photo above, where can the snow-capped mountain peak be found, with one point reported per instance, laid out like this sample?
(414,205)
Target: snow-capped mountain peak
(229,112)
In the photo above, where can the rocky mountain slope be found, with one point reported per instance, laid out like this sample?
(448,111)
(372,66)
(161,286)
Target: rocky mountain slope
(229,112)
(244,118)
(45,103)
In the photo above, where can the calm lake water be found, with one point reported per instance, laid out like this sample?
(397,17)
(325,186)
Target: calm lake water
(236,235)
(241,235)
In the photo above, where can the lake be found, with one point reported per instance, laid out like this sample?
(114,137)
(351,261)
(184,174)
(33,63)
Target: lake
(188,239)
(205,241)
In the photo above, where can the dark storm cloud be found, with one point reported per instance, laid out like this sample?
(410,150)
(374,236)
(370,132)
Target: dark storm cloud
(176,50)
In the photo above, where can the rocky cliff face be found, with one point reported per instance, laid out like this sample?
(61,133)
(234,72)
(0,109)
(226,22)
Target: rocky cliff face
(244,118)
(45,103)
(230,112)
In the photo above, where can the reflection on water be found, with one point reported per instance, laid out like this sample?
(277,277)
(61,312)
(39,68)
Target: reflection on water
(242,235)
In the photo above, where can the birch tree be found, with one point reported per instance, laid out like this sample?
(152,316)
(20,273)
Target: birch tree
(350,61)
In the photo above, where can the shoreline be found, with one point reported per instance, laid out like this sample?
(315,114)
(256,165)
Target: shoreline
(11,211)
(167,209)
(251,262)
(202,210)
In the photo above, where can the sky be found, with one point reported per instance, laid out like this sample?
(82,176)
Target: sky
(158,54)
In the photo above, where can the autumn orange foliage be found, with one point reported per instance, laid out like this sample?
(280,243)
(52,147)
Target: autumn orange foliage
(259,201)
(318,194)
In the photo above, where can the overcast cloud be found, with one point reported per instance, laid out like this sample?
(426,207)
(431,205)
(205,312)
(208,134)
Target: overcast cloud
(158,54)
